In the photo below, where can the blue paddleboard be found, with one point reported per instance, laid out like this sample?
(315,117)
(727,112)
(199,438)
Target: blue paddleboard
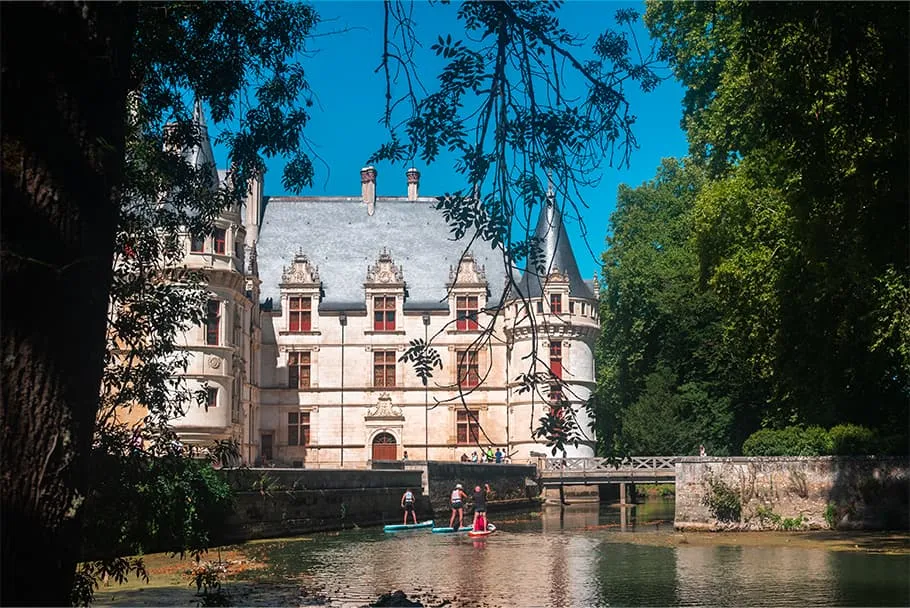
(450,530)
(402,527)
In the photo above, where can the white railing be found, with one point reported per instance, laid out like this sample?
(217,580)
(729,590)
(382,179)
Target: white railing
(587,465)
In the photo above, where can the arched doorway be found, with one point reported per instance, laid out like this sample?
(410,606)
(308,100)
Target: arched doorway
(385,447)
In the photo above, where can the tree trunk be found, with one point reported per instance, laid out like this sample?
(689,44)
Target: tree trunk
(65,76)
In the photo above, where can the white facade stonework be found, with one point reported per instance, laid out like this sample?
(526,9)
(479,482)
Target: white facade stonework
(319,298)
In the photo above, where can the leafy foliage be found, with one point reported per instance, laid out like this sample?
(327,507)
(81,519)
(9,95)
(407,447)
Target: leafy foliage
(789,441)
(723,500)
(239,58)
(841,440)
(668,380)
(799,118)
(424,358)
(507,103)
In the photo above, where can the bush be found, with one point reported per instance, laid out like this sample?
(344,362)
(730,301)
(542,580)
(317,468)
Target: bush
(789,441)
(852,439)
(841,440)
(722,500)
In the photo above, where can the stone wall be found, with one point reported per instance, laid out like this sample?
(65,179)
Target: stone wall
(513,486)
(792,493)
(284,502)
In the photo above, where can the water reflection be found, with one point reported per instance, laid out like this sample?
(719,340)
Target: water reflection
(578,556)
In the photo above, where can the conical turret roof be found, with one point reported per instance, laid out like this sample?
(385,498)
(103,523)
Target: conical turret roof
(557,254)
(202,153)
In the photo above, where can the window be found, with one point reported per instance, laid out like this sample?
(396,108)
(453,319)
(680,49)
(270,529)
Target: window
(556,395)
(384,368)
(571,307)
(465,313)
(298,428)
(466,430)
(556,359)
(539,306)
(384,313)
(219,239)
(468,376)
(300,309)
(213,322)
(197,243)
(238,250)
(211,397)
(299,370)
(583,307)
(556,303)
(265,446)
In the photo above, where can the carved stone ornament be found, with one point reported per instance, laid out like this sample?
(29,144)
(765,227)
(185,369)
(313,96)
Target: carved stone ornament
(300,272)
(384,408)
(214,362)
(385,271)
(557,276)
(469,272)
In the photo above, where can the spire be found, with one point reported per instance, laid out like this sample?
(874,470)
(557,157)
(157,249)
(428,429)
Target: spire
(202,153)
(556,253)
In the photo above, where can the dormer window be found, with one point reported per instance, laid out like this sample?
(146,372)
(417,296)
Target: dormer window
(300,310)
(466,313)
(219,238)
(384,313)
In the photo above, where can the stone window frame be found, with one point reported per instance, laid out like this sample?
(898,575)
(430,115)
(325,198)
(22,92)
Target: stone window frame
(385,353)
(306,429)
(469,419)
(304,313)
(385,310)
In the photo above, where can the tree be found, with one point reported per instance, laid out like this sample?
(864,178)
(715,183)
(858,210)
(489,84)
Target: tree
(799,115)
(70,193)
(668,381)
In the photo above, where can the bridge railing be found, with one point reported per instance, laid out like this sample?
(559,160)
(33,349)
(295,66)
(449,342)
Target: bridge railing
(586,465)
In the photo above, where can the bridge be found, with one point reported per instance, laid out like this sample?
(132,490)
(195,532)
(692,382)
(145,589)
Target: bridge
(594,471)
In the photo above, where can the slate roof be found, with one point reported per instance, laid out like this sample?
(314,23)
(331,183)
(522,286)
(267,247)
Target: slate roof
(339,237)
(557,254)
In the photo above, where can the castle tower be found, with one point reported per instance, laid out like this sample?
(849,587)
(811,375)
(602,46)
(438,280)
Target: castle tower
(222,350)
(551,324)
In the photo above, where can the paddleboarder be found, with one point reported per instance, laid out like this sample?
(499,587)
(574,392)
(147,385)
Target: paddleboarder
(480,507)
(407,503)
(458,498)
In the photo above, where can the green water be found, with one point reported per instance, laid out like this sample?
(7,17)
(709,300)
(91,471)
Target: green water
(575,558)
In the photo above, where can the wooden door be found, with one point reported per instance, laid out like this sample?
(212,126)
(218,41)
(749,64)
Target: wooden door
(384,447)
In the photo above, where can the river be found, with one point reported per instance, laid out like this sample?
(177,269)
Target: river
(586,555)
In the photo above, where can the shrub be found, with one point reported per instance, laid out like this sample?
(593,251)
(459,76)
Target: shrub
(789,441)
(830,515)
(852,439)
(722,500)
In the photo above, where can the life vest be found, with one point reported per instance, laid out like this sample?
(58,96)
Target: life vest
(408,497)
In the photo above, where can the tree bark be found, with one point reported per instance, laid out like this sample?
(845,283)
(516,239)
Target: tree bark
(65,75)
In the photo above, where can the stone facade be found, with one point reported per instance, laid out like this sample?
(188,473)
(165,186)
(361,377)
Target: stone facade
(819,492)
(317,299)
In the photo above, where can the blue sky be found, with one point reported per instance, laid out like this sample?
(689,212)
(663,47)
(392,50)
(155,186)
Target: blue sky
(345,130)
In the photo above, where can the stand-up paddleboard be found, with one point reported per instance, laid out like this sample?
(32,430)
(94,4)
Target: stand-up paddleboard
(402,527)
(451,530)
(482,533)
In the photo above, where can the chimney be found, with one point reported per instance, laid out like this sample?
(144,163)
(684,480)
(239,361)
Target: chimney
(413,183)
(368,185)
